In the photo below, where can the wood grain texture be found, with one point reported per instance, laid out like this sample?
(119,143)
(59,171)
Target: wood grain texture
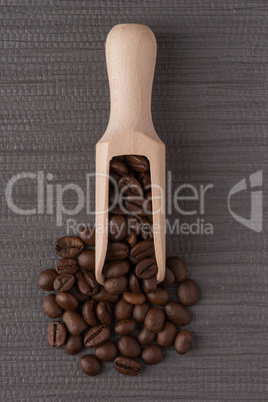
(209,106)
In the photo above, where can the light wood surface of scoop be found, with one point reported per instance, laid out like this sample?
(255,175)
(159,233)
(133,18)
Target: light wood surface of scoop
(130,58)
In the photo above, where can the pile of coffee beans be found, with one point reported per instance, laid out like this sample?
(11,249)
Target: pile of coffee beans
(131,305)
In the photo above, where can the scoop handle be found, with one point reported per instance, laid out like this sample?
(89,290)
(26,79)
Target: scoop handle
(130,57)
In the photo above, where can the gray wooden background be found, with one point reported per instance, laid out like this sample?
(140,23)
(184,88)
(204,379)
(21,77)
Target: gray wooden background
(209,105)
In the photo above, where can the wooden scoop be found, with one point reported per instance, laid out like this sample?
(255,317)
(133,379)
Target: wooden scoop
(130,57)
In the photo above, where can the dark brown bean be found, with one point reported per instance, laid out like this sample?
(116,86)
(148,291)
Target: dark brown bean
(137,163)
(66,266)
(46,279)
(134,298)
(150,284)
(129,346)
(115,269)
(96,336)
(141,250)
(103,295)
(177,313)
(146,268)
(74,344)
(74,291)
(117,228)
(118,166)
(152,355)
(67,301)
(159,297)
(90,365)
(140,311)
(56,334)
(87,234)
(104,313)
(122,310)
(74,322)
(87,283)
(127,366)
(145,180)
(117,251)
(154,320)
(187,292)
(116,286)
(125,327)
(167,336)
(106,352)
(169,278)
(178,268)
(130,186)
(134,283)
(183,341)
(131,239)
(136,205)
(89,312)
(51,307)
(86,260)
(63,282)
(68,246)
(145,337)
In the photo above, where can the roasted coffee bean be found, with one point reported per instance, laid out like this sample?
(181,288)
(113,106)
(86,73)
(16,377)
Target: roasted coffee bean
(159,297)
(125,327)
(103,295)
(46,279)
(183,341)
(126,366)
(68,246)
(63,282)
(115,269)
(145,337)
(152,354)
(154,320)
(118,166)
(131,239)
(90,365)
(140,311)
(113,179)
(51,307)
(177,314)
(66,266)
(104,313)
(146,268)
(134,283)
(89,312)
(96,336)
(74,322)
(146,231)
(86,260)
(87,234)
(56,333)
(145,180)
(117,251)
(118,210)
(137,163)
(106,352)
(134,298)
(122,310)
(67,301)
(117,228)
(116,286)
(129,346)
(150,284)
(74,291)
(141,250)
(169,278)
(74,344)
(87,283)
(187,292)
(167,336)
(136,205)
(178,268)
(130,186)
